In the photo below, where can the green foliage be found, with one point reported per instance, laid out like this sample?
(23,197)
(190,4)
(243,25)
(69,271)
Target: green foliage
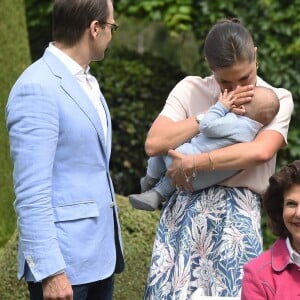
(176,14)
(135,87)
(268,237)
(10,287)
(275,26)
(39,22)
(181,50)
(138,230)
(14,57)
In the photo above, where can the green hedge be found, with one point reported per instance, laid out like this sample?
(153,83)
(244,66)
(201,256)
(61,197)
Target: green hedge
(14,57)
(275,26)
(138,230)
(10,287)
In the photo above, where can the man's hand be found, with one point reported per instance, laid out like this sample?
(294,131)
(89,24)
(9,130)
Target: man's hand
(57,287)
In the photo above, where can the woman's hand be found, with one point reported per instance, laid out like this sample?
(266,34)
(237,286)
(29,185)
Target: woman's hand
(243,94)
(181,169)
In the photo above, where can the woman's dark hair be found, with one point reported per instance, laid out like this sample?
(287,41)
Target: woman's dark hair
(228,42)
(273,198)
(72,17)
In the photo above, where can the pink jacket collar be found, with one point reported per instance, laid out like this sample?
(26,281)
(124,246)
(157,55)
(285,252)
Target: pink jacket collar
(280,255)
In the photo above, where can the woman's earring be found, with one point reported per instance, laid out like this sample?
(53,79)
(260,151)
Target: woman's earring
(257,64)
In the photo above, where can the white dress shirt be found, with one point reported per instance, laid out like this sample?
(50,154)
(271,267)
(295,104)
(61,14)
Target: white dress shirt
(295,256)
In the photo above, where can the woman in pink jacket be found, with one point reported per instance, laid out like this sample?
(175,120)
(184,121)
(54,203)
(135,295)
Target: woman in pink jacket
(275,274)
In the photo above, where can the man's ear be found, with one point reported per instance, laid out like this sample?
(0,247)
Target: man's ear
(95,28)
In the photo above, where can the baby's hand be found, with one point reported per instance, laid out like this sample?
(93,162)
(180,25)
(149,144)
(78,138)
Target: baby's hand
(227,99)
(241,110)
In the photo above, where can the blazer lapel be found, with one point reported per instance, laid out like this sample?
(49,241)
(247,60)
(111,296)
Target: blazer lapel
(76,93)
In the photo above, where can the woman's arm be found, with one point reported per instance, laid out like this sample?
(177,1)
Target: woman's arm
(235,157)
(246,155)
(166,134)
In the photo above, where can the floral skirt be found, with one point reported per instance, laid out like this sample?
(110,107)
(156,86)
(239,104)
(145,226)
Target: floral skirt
(202,242)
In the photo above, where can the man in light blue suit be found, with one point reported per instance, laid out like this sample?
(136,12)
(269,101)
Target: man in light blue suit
(60,138)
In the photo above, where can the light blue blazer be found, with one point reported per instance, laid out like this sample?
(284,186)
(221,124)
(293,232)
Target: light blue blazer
(65,204)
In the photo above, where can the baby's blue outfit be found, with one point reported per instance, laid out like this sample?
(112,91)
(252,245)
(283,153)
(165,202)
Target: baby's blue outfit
(219,128)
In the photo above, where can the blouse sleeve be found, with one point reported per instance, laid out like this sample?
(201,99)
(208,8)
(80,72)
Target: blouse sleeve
(282,120)
(190,96)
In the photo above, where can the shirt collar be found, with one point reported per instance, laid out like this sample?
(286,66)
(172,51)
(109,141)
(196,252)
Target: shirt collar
(70,63)
(280,255)
(295,256)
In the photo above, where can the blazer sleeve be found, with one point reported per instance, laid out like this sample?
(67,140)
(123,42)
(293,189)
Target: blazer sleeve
(32,121)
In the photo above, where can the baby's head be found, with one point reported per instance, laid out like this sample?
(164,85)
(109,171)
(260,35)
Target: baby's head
(264,105)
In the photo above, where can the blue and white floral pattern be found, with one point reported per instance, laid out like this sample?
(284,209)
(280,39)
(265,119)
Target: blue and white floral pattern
(202,242)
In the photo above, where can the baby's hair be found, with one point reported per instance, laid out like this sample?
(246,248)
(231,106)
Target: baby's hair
(264,105)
